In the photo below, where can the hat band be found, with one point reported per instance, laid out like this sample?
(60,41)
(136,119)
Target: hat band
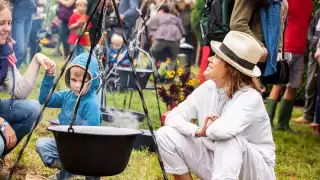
(245,64)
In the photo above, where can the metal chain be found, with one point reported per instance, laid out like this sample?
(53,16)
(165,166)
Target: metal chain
(104,13)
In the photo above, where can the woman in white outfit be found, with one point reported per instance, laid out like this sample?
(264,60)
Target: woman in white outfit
(234,138)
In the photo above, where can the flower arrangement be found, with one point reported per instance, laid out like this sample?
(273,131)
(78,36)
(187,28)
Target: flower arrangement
(183,85)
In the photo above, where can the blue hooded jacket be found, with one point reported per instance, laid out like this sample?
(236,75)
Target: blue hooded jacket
(125,62)
(89,109)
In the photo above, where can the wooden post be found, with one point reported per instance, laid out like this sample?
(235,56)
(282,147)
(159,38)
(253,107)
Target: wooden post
(198,54)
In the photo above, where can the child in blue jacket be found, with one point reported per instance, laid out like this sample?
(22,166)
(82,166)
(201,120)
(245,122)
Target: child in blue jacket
(116,43)
(89,109)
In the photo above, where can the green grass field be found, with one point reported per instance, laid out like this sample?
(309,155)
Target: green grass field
(298,155)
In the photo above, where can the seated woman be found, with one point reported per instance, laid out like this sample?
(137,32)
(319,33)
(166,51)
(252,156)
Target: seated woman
(234,140)
(16,114)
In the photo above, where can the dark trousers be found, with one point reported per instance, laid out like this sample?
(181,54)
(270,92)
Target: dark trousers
(33,40)
(64,36)
(158,48)
(311,94)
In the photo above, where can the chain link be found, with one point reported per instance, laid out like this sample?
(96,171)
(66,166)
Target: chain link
(104,13)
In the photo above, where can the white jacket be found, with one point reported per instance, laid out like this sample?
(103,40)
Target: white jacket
(244,115)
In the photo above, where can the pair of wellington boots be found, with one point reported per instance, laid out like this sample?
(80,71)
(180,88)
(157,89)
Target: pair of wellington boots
(284,116)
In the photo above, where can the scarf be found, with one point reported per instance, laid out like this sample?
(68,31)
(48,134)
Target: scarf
(7,57)
(270,21)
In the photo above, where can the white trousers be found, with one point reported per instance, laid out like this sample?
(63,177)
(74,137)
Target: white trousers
(230,159)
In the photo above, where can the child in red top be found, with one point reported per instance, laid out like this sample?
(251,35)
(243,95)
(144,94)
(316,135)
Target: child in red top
(76,23)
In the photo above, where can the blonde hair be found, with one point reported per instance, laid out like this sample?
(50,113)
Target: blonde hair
(238,80)
(79,2)
(5,4)
(116,37)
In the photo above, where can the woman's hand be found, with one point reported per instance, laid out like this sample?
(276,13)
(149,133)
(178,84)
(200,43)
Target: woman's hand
(10,135)
(201,132)
(48,65)
(210,120)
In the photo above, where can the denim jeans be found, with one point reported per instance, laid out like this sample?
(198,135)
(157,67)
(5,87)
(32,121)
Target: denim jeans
(64,35)
(1,145)
(79,50)
(20,115)
(33,40)
(21,27)
(47,149)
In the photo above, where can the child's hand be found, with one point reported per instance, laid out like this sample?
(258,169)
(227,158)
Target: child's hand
(82,21)
(120,57)
(48,65)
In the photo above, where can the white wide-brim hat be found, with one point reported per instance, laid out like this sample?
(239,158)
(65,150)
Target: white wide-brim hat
(241,51)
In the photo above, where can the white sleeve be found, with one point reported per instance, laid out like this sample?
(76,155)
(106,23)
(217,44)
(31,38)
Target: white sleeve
(238,116)
(180,117)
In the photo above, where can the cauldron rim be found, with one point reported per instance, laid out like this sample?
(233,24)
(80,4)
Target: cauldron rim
(137,69)
(77,130)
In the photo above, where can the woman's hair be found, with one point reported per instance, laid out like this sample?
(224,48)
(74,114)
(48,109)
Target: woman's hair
(238,80)
(5,4)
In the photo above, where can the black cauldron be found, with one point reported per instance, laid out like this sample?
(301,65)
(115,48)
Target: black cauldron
(107,114)
(94,150)
(145,140)
(127,80)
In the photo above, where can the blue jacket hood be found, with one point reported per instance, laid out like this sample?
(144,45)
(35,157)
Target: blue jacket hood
(81,61)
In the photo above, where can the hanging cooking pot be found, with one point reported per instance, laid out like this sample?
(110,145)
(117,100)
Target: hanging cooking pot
(94,150)
(107,114)
(127,81)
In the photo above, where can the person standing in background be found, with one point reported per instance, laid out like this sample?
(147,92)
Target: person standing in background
(37,18)
(295,43)
(128,15)
(311,84)
(65,10)
(21,27)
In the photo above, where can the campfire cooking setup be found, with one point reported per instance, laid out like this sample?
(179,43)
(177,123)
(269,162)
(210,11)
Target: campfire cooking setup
(101,150)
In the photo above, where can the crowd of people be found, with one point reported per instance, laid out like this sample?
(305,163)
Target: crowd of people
(234,137)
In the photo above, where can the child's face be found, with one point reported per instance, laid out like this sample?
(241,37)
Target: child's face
(116,44)
(76,75)
(82,8)
(5,25)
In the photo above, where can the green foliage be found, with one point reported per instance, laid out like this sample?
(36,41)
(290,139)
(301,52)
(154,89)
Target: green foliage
(196,13)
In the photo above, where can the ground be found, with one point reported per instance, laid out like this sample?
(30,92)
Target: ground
(298,155)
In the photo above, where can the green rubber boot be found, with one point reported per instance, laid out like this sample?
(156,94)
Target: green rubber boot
(271,109)
(285,111)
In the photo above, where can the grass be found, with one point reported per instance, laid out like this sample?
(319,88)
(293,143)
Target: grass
(298,155)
